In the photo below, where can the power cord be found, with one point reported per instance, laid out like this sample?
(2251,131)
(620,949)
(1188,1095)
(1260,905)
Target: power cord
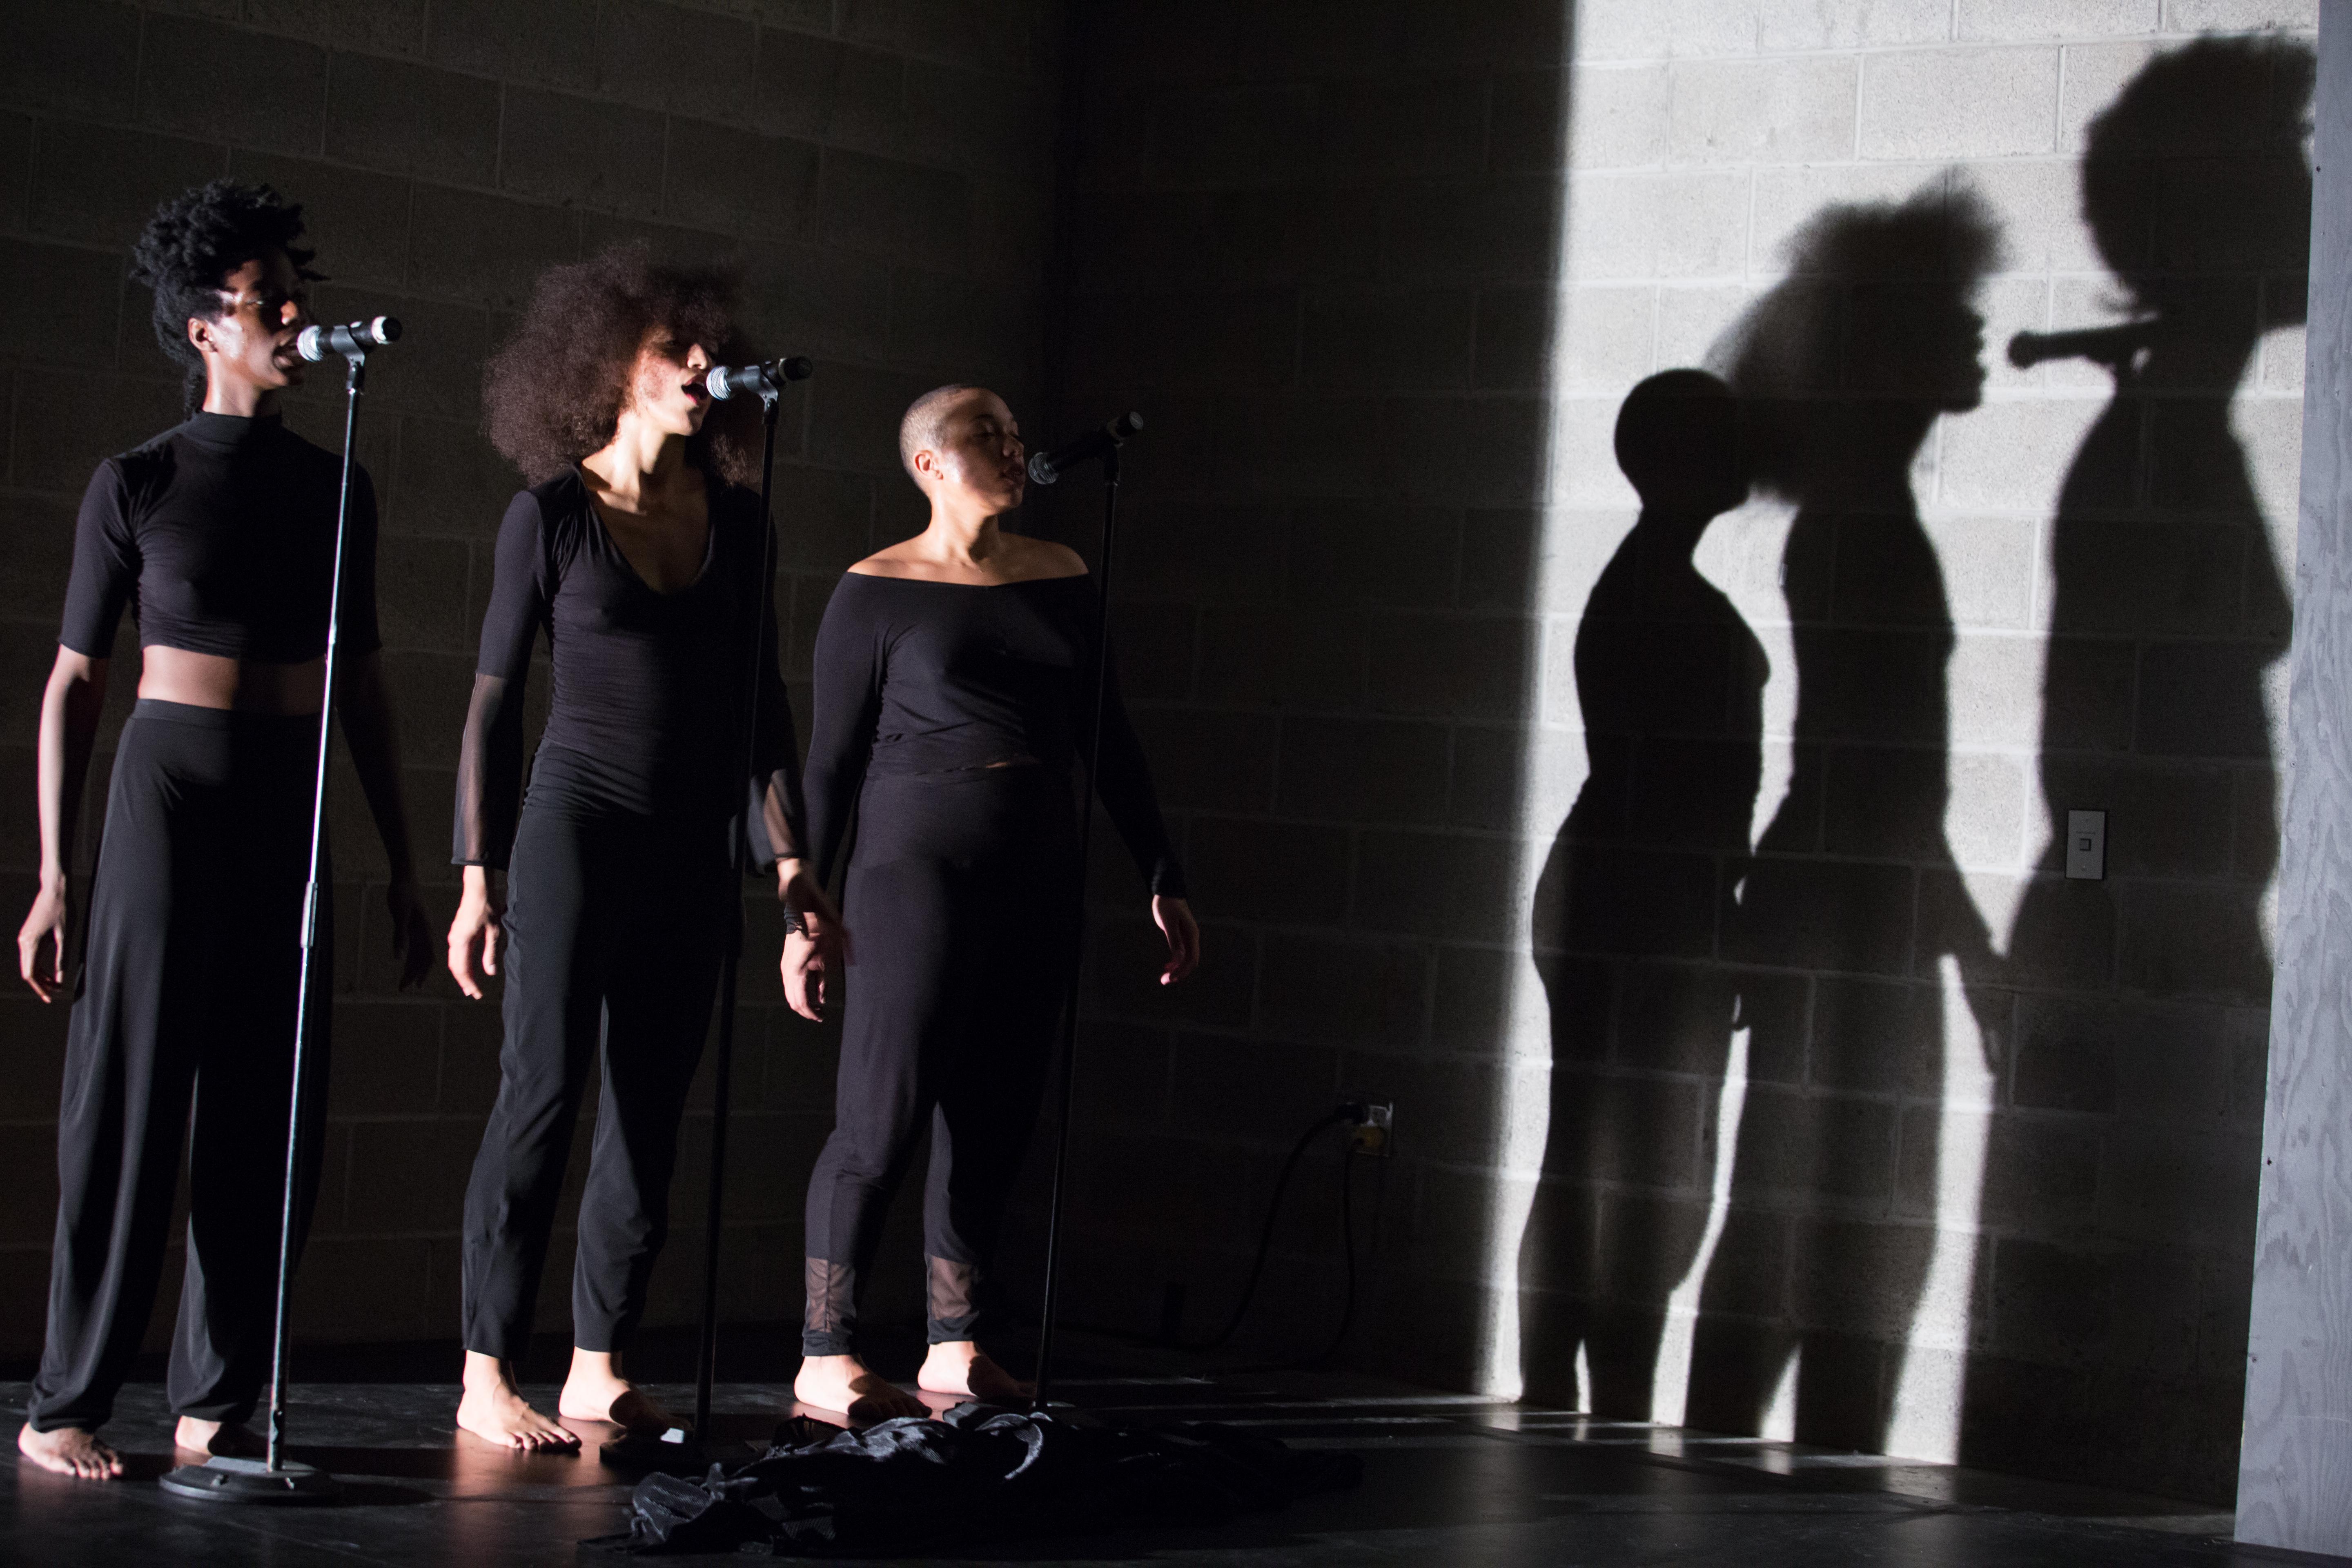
(1348,1114)
(1343,1115)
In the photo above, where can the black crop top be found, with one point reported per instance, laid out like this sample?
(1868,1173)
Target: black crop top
(647,685)
(918,676)
(219,536)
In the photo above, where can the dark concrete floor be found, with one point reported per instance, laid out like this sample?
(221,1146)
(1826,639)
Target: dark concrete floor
(1449,1478)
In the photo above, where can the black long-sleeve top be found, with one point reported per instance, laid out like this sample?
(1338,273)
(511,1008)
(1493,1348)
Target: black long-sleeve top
(220,537)
(648,685)
(920,677)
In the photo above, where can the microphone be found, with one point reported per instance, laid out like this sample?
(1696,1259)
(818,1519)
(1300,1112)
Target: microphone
(725,381)
(353,340)
(1045,468)
(2113,347)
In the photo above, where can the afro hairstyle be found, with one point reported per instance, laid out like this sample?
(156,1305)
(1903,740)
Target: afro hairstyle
(553,391)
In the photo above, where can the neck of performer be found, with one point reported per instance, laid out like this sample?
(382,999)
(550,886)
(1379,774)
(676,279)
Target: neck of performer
(641,459)
(963,532)
(238,397)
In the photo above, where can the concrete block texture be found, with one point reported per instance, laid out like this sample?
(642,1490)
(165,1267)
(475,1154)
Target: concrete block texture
(443,161)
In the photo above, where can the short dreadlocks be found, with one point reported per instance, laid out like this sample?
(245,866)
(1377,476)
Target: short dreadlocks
(192,244)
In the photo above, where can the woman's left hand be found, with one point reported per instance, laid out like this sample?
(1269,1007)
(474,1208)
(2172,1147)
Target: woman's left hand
(1174,919)
(814,956)
(412,930)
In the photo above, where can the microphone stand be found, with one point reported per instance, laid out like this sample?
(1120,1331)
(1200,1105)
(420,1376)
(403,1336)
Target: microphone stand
(276,1479)
(681,1449)
(1067,1073)
(706,1360)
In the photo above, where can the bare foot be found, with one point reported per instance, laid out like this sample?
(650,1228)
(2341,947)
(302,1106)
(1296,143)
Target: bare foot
(69,1451)
(494,1409)
(595,1391)
(843,1383)
(959,1366)
(228,1437)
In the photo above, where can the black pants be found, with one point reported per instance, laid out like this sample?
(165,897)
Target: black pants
(186,999)
(960,902)
(615,918)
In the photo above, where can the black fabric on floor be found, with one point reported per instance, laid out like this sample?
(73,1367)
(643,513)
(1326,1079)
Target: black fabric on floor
(976,1475)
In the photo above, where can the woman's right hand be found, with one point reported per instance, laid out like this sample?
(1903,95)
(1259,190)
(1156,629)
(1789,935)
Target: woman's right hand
(45,923)
(480,925)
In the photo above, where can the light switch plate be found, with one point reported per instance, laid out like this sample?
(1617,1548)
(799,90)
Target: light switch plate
(2086,845)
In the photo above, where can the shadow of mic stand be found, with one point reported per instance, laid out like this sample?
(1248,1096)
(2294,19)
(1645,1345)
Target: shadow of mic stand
(1045,469)
(226,1478)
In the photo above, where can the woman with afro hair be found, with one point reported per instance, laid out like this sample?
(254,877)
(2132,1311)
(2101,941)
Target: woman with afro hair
(218,535)
(639,552)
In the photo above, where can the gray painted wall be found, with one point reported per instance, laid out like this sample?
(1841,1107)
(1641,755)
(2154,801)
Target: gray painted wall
(2295,1483)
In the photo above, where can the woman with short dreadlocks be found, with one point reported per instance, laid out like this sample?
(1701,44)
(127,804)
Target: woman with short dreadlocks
(218,535)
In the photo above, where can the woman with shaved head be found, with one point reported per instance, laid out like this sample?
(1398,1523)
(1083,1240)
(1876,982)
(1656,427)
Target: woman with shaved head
(951,707)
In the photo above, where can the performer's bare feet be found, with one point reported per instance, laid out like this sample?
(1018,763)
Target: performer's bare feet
(69,1451)
(233,1438)
(494,1409)
(843,1383)
(959,1366)
(597,1392)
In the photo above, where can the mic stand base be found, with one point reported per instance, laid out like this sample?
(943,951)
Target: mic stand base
(677,1452)
(227,1478)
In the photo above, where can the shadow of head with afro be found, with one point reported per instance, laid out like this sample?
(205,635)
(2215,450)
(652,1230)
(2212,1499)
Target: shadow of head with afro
(189,248)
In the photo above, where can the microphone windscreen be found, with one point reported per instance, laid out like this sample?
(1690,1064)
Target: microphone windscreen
(1042,470)
(312,344)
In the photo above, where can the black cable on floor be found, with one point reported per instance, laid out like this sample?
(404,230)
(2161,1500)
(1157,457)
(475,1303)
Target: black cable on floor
(1343,1115)
(1266,1234)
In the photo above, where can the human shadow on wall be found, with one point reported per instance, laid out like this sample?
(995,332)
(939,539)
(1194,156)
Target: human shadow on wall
(1852,902)
(1632,907)
(2166,607)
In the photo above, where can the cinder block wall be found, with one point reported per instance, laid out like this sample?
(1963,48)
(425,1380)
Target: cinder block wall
(881,169)
(1380,276)
(1980,1197)
(1314,245)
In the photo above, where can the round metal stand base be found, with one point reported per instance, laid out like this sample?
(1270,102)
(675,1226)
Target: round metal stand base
(675,1451)
(226,1480)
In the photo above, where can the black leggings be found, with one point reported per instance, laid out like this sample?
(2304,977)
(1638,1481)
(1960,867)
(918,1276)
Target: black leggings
(613,923)
(186,997)
(958,905)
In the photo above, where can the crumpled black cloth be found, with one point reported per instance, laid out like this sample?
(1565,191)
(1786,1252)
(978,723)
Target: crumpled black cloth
(977,1474)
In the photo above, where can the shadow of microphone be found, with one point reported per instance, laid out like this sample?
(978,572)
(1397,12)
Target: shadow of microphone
(2115,347)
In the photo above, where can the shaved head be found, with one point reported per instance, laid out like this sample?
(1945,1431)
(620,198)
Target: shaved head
(924,421)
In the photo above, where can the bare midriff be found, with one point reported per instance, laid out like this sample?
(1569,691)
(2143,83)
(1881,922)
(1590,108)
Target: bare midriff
(246,686)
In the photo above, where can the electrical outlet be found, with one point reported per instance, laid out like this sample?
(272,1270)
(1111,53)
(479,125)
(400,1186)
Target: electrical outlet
(2086,845)
(1369,1134)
